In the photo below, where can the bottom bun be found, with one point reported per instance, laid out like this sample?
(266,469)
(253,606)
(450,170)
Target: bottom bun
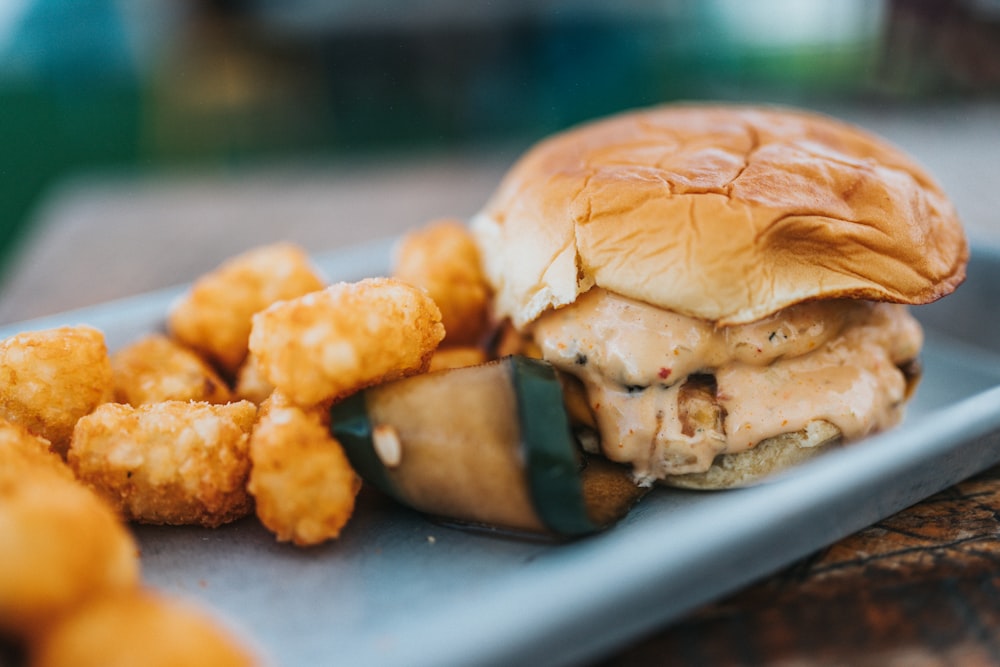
(767,458)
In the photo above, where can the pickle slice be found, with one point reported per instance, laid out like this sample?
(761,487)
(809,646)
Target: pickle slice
(488,444)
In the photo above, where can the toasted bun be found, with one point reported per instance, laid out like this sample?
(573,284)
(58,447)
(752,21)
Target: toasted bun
(764,460)
(724,213)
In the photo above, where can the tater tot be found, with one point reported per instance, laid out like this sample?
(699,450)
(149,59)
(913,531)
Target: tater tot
(251,385)
(51,378)
(60,546)
(331,343)
(20,448)
(173,462)
(141,627)
(302,482)
(456,357)
(156,368)
(443,259)
(213,317)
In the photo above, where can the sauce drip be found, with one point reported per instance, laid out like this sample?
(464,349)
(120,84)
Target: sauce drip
(834,360)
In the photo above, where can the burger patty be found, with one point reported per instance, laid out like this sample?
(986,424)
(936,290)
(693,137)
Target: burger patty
(670,393)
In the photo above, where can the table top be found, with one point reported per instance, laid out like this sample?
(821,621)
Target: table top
(920,587)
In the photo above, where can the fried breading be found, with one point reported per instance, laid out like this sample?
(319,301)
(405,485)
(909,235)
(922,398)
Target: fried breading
(302,482)
(251,385)
(331,343)
(173,462)
(21,449)
(213,317)
(61,545)
(141,627)
(155,368)
(51,378)
(442,258)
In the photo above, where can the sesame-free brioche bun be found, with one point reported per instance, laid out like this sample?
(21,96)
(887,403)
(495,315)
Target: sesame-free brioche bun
(766,458)
(724,213)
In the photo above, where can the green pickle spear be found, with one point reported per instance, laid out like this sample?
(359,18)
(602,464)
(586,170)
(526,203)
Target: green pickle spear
(487,445)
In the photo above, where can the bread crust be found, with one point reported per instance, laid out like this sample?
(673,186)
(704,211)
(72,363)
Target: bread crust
(724,213)
(730,471)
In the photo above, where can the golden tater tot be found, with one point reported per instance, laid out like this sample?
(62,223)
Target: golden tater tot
(173,462)
(302,482)
(456,357)
(331,343)
(213,317)
(444,260)
(251,385)
(140,627)
(19,448)
(156,368)
(60,545)
(51,378)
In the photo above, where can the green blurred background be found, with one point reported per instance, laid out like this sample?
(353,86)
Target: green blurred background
(145,85)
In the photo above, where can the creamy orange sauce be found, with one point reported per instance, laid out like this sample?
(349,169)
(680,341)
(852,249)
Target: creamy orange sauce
(832,360)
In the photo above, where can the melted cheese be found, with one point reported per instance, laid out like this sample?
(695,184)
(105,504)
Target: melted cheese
(832,360)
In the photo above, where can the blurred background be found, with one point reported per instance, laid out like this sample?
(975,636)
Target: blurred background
(147,89)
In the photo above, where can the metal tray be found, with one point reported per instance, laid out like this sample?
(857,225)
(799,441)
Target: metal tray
(397,589)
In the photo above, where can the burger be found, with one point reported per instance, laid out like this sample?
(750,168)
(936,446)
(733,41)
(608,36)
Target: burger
(726,287)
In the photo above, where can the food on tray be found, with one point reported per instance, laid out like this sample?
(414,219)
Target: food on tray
(442,258)
(20,448)
(65,549)
(141,627)
(250,383)
(51,378)
(302,483)
(330,343)
(61,545)
(156,368)
(213,317)
(699,296)
(724,281)
(174,462)
(457,357)
(488,444)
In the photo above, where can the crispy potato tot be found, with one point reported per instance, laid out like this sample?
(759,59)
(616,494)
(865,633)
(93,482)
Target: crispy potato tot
(174,462)
(156,368)
(61,545)
(51,378)
(302,482)
(443,259)
(141,627)
(331,343)
(251,385)
(456,357)
(21,449)
(213,317)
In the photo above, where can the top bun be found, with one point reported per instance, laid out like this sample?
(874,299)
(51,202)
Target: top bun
(724,213)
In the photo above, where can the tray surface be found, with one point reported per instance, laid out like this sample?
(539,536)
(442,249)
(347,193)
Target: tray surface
(397,589)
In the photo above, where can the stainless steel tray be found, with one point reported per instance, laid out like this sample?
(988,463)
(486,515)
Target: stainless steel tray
(397,589)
